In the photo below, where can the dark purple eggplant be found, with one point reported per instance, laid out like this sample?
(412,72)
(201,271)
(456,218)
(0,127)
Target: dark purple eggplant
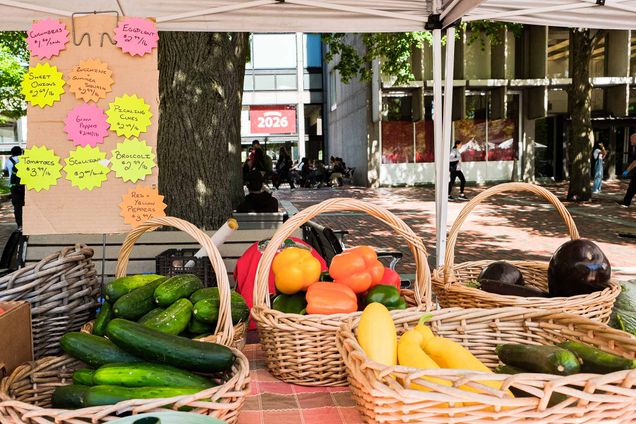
(503,272)
(498,287)
(578,267)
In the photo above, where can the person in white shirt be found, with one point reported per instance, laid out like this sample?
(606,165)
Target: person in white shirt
(598,154)
(17,189)
(456,170)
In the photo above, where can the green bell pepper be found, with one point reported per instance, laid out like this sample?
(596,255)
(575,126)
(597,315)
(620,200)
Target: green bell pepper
(290,303)
(389,296)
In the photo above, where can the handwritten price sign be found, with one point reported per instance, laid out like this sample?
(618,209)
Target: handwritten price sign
(128,115)
(140,204)
(132,160)
(86,167)
(136,36)
(47,38)
(43,85)
(86,125)
(39,168)
(91,80)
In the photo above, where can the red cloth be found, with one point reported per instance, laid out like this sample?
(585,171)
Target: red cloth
(245,272)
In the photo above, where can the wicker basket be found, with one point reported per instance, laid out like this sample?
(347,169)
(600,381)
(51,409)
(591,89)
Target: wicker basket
(382,393)
(25,394)
(225,333)
(301,349)
(449,281)
(62,290)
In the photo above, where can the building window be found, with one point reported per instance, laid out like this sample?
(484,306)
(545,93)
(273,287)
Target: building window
(558,52)
(398,128)
(313,51)
(274,51)
(286,82)
(598,62)
(313,81)
(264,82)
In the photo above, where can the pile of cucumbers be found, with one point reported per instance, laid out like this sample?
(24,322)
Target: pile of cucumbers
(142,346)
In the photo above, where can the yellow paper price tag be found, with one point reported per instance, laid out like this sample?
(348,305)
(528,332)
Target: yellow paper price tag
(39,168)
(128,115)
(132,160)
(86,167)
(43,85)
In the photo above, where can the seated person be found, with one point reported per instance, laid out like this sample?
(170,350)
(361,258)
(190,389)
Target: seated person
(258,199)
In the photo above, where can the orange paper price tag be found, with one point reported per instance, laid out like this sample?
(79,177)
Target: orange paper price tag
(91,80)
(140,204)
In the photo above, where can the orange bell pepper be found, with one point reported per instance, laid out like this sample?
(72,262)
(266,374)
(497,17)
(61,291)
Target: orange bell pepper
(357,268)
(330,298)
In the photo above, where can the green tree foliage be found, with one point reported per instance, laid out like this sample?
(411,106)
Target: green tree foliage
(394,49)
(14,60)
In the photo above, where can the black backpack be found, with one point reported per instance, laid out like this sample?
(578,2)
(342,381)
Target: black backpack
(14,180)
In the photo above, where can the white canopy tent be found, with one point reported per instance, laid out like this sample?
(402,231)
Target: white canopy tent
(350,16)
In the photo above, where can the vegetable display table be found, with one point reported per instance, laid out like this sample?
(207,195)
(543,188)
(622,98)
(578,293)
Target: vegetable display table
(273,400)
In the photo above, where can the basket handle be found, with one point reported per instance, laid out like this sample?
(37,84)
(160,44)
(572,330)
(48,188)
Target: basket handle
(449,276)
(224,328)
(416,245)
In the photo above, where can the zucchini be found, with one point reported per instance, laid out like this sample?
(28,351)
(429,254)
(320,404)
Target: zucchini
(84,376)
(156,346)
(138,302)
(110,395)
(541,359)
(150,315)
(124,285)
(596,361)
(174,319)
(105,314)
(197,327)
(145,374)
(71,396)
(207,310)
(94,351)
(177,287)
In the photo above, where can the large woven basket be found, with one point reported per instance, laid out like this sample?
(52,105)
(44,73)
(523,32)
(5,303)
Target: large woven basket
(382,393)
(449,281)
(225,333)
(301,349)
(62,289)
(25,394)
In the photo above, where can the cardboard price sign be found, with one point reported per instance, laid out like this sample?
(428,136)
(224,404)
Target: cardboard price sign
(86,168)
(86,125)
(132,160)
(128,115)
(47,38)
(39,168)
(91,80)
(43,85)
(141,204)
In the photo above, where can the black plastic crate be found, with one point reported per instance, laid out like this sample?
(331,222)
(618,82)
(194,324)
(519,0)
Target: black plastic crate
(172,262)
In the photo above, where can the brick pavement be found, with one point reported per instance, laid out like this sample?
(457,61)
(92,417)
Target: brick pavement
(515,226)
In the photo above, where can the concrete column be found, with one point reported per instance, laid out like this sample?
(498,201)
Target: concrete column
(300,89)
(459,93)
(498,64)
(618,54)
(537,97)
(528,146)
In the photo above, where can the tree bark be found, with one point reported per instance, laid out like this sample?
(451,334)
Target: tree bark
(199,141)
(580,105)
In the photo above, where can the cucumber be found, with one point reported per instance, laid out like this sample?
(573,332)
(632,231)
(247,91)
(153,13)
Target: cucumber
(156,346)
(110,395)
(150,315)
(124,285)
(596,361)
(84,376)
(138,302)
(207,310)
(174,319)
(105,314)
(94,351)
(204,293)
(541,359)
(197,327)
(145,374)
(71,396)
(177,287)
(555,399)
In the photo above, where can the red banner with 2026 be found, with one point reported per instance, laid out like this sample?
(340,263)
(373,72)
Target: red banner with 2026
(272,119)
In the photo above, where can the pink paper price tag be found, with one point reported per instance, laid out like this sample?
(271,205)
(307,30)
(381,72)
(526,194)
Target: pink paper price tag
(86,125)
(136,36)
(47,38)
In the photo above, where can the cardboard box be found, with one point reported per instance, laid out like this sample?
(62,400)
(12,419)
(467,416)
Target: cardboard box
(16,338)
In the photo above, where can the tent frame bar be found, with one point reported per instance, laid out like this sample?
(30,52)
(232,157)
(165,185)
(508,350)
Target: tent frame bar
(216,10)
(26,6)
(360,10)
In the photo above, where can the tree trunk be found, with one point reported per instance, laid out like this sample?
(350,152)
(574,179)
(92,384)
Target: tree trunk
(580,105)
(199,141)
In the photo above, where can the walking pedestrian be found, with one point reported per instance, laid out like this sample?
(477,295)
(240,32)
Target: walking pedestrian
(17,189)
(631,190)
(598,154)
(283,168)
(455,169)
